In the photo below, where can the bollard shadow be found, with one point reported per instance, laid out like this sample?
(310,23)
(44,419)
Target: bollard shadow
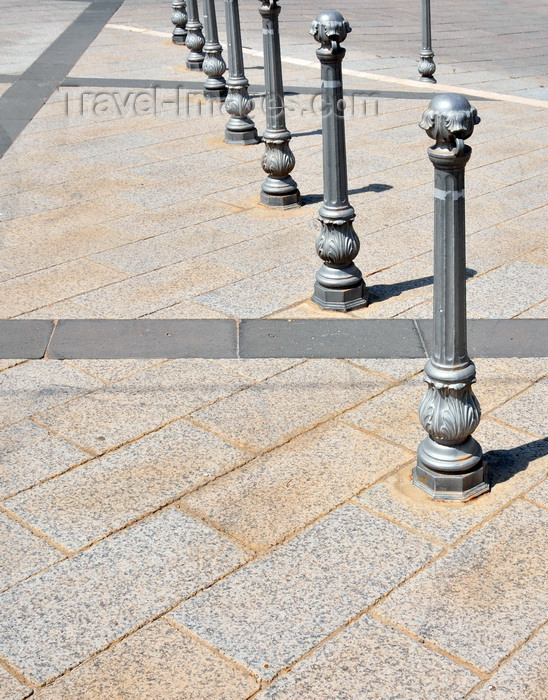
(382,292)
(505,464)
(373,187)
(307,133)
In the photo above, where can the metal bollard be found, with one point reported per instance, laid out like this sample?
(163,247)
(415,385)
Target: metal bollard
(450,461)
(339,283)
(427,67)
(240,129)
(279,189)
(195,39)
(179,19)
(213,65)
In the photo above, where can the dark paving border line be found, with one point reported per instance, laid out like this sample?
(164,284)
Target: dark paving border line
(29,92)
(260,338)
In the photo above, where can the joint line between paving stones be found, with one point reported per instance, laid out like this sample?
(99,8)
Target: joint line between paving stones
(53,329)
(506,659)
(421,337)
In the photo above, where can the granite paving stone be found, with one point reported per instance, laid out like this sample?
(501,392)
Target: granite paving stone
(105,494)
(156,663)
(524,284)
(524,676)
(265,293)
(166,249)
(80,215)
(21,553)
(396,370)
(539,311)
(110,371)
(394,414)
(260,369)
(484,598)
(494,387)
(137,405)
(279,408)
(533,221)
(540,494)
(259,221)
(61,309)
(57,283)
(531,368)
(265,252)
(152,291)
(11,689)
(59,618)
(371,660)
(35,386)
(274,495)
(515,463)
(525,411)
(269,613)
(30,256)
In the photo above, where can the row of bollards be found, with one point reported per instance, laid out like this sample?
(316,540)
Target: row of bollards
(450,462)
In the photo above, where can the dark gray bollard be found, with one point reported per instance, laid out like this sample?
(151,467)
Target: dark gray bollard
(240,129)
(179,19)
(279,189)
(213,65)
(339,283)
(194,39)
(427,67)
(450,462)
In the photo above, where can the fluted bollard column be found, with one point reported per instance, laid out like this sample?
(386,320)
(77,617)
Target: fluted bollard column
(427,67)
(213,65)
(240,129)
(179,19)
(279,189)
(194,39)
(450,462)
(339,283)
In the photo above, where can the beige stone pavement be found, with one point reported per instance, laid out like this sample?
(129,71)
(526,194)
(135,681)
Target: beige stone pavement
(247,528)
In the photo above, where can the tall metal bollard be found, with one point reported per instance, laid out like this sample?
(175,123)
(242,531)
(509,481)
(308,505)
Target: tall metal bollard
(279,189)
(450,462)
(179,19)
(240,129)
(427,67)
(213,65)
(339,283)
(195,39)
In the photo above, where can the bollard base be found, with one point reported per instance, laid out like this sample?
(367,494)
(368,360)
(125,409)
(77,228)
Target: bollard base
(340,299)
(428,79)
(242,138)
(282,201)
(194,65)
(215,95)
(178,38)
(449,484)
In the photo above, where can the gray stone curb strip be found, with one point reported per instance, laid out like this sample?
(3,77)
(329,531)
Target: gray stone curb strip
(259,338)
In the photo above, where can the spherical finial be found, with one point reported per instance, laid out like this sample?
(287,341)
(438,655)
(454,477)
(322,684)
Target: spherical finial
(449,120)
(330,27)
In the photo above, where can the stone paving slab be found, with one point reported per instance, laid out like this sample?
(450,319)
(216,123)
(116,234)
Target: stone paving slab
(272,496)
(11,689)
(347,667)
(102,496)
(525,675)
(480,601)
(156,663)
(269,613)
(21,553)
(270,413)
(115,414)
(108,591)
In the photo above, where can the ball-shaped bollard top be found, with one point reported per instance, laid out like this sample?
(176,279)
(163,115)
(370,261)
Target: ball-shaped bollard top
(328,27)
(448,119)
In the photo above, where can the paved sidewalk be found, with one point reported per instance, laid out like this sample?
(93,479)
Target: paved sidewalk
(218,527)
